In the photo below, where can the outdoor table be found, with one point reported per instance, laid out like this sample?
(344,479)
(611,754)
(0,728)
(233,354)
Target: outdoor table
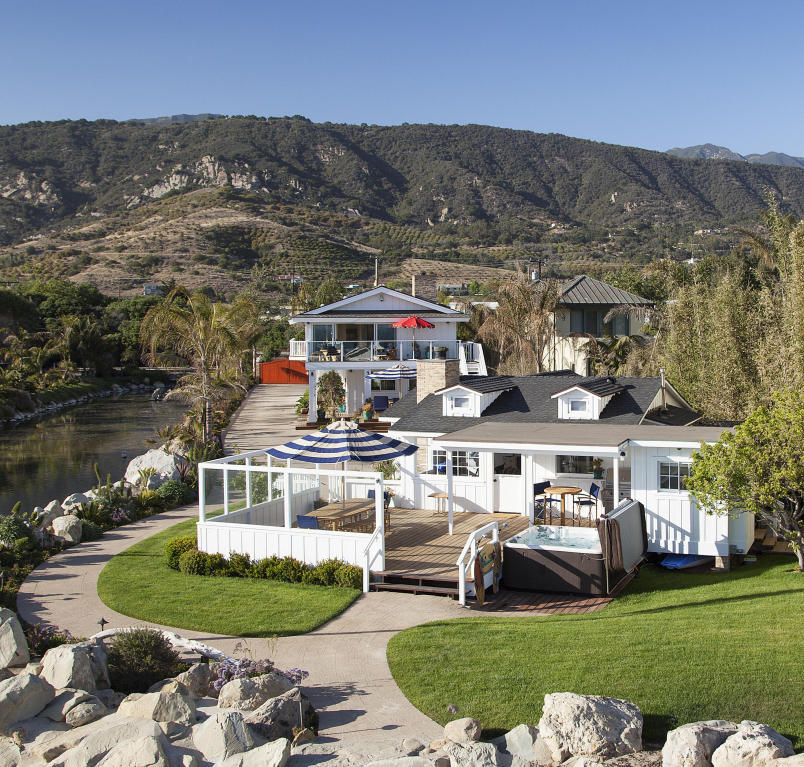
(338,514)
(562,491)
(440,496)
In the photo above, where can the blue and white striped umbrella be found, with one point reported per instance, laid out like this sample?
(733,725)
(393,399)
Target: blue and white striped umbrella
(340,442)
(393,373)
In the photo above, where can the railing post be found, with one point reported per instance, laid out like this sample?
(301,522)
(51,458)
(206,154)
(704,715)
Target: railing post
(462,584)
(288,499)
(450,498)
(270,477)
(379,505)
(225,489)
(202,495)
(248,481)
(366,570)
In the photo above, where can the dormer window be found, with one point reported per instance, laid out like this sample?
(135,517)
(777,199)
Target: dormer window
(460,403)
(586,399)
(579,406)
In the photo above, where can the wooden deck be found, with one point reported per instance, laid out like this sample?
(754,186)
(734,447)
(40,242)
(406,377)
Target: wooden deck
(419,543)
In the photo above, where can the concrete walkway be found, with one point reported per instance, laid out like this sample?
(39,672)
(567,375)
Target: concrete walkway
(349,683)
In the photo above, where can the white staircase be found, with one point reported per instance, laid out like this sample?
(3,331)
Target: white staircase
(471,359)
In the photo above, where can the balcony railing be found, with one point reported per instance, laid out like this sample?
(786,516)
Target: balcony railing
(371,351)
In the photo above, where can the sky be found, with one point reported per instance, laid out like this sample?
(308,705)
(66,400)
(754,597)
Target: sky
(649,74)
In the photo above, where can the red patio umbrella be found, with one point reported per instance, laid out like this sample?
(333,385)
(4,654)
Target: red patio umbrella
(413,322)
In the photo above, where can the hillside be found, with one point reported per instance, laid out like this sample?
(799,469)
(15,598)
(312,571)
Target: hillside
(236,201)
(714,152)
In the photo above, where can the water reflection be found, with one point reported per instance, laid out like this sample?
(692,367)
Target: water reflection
(54,457)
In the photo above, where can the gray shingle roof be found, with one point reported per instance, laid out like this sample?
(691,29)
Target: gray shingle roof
(587,290)
(528,402)
(486,384)
(600,385)
(399,315)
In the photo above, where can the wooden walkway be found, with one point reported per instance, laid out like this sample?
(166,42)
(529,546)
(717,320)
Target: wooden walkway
(419,543)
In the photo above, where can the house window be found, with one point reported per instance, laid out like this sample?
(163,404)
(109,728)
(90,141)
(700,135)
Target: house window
(378,384)
(323,333)
(619,325)
(578,405)
(508,463)
(460,403)
(673,475)
(589,321)
(574,464)
(464,463)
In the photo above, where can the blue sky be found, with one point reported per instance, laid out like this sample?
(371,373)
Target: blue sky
(643,73)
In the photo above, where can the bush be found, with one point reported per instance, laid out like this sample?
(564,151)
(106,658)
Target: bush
(267,568)
(217,565)
(140,657)
(90,531)
(349,576)
(240,566)
(98,513)
(290,570)
(175,547)
(194,562)
(13,528)
(324,572)
(174,492)
(42,637)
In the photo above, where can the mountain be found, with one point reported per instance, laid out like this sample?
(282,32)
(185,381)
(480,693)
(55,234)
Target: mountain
(171,119)
(236,200)
(714,152)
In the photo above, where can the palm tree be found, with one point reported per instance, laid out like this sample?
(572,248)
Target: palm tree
(211,337)
(519,329)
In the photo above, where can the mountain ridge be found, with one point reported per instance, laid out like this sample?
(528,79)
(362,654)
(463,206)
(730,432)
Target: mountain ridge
(715,152)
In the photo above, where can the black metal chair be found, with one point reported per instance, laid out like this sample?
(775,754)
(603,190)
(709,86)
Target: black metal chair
(587,500)
(542,502)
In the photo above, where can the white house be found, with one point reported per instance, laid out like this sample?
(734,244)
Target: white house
(356,335)
(484,442)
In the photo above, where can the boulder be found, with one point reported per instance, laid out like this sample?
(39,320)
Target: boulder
(797,760)
(85,712)
(274,754)
(22,697)
(582,761)
(142,752)
(67,529)
(9,754)
(692,745)
(34,667)
(519,741)
(63,702)
(71,501)
(172,703)
(54,507)
(197,679)
(753,745)
(250,693)
(68,666)
(462,730)
(98,660)
(404,761)
(110,698)
(13,645)
(163,463)
(222,735)
(474,754)
(589,725)
(277,717)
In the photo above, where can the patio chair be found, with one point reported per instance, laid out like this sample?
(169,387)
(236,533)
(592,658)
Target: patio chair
(380,402)
(542,502)
(589,500)
(307,522)
(386,500)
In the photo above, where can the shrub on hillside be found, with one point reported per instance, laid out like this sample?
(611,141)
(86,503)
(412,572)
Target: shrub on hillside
(174,492)
(140,657)
(175,547)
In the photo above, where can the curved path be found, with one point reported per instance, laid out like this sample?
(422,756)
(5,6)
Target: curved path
(349,683)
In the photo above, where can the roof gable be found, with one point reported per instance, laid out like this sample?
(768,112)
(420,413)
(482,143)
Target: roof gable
(599,387)
(587,290)
(374,299)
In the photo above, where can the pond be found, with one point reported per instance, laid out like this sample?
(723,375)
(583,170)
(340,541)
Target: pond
(54,457)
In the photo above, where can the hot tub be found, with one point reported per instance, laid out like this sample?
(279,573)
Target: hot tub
(577,560)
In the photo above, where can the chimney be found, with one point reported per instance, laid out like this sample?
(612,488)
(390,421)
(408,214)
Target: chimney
(432,375)
(664,390)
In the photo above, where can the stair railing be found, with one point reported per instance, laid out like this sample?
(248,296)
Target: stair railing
(368,559)
(466,560)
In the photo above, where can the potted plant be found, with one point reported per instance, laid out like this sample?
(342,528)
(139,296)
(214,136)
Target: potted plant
(368,410)
(597,468)
(303,403)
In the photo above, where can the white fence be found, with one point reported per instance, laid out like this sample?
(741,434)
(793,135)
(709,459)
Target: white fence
(275,496)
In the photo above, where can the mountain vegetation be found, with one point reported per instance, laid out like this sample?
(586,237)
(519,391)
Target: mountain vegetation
(230,202)
(714,152)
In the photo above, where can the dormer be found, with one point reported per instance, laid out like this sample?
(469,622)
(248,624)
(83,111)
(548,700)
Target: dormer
(470,399)
(586,399)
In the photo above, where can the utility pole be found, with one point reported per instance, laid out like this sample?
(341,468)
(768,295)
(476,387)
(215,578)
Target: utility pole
(376,271)
(539,263)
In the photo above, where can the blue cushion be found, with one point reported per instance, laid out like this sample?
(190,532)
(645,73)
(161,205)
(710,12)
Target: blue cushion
(307,522)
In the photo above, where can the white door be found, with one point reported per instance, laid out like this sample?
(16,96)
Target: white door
(509,483)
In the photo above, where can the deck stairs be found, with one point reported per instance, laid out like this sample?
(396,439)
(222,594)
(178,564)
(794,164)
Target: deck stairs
(766,541)
(415,583)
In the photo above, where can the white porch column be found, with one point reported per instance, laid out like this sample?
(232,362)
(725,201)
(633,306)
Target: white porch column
(269,478)
(379,505)
(616,482)
(529,482)
(312,411)
(449,489)
(202,495)
(288,499)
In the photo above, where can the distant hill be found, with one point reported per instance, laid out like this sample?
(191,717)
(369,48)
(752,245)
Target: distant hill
(235,200)
(714,152)
(171,119)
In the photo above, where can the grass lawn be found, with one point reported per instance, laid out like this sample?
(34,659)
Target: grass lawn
(683,647)
(137,582)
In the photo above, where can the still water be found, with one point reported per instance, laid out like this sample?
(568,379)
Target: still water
(54,457)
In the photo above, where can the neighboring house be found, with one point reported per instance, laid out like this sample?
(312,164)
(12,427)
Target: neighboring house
(485,441)
(356,336)
(580,316)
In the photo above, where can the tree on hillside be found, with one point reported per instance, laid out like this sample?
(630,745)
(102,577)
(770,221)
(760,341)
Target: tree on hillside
(519,329)
(208,336)
(759,468)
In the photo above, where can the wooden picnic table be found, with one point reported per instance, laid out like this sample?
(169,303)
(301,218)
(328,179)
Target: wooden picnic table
(340,514)
(562,491)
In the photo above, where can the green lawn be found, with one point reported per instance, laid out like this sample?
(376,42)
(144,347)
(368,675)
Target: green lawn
(138,582)
(683,647)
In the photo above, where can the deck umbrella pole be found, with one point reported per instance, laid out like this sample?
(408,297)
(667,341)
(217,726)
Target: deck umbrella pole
(449,489)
